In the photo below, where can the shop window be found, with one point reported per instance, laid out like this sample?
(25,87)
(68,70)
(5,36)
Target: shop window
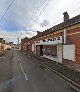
(48,50)
(54,55)
(44,53)
(54,51)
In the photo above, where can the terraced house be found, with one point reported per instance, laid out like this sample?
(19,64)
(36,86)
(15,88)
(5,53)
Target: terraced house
(60,43)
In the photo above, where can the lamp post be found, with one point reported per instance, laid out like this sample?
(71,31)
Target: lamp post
(18,43)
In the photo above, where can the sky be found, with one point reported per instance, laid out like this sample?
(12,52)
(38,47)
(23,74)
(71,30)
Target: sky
(25,17)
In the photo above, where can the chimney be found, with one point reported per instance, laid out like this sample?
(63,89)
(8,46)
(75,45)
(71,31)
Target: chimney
(38,32)
(66,16)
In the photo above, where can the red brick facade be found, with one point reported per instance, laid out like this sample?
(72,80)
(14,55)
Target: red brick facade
(2,44)
(45,42)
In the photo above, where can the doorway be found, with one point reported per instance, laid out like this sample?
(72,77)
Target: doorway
(41,50)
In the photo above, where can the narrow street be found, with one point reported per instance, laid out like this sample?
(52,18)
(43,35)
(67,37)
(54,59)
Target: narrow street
(27,76)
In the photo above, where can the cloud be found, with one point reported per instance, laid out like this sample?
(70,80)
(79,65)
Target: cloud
(45,23)
(22,14)
(9,36)
(12,36)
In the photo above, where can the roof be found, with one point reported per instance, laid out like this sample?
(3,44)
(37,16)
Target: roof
(1,40)
(25,39)
(62,25)
(58,27)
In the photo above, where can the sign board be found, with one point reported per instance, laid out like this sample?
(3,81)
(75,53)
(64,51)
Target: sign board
(69,52)
(50,41)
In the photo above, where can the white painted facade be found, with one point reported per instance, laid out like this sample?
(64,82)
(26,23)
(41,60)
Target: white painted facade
(33,46)
(55,42)
(69,52)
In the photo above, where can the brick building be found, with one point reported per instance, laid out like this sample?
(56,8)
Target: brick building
(26,44)
(2,45)
(60,43)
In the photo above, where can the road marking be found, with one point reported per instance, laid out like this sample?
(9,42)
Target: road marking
(17,57)
(23,72)
(3,57)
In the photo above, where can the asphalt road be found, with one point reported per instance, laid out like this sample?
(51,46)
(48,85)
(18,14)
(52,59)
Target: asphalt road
(26,76)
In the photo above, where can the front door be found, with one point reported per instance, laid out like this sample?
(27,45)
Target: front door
(41,50)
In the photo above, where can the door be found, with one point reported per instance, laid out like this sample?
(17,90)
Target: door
(41,50)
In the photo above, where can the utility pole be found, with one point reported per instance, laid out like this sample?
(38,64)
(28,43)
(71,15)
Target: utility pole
(18,40)
(18,43)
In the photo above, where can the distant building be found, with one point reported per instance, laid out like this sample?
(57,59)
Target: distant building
(2,44)
(10,43)
(60,43)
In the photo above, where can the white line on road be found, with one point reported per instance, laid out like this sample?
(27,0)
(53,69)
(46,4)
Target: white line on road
(3,57)
(23,72)
(17,57)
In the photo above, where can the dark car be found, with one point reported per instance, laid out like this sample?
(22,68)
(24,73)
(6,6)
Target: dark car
(8,48)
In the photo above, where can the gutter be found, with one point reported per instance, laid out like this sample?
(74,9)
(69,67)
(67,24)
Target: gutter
(65,35)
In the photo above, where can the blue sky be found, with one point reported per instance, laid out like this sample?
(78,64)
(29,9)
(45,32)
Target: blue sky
(25,17)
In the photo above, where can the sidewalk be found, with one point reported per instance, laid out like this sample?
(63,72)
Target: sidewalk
(69,75)
(74,66)
(2,53)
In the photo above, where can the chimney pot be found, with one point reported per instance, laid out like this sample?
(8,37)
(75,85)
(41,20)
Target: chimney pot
(38,32)
(66,16)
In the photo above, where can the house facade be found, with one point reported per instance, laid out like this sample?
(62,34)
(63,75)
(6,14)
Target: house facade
(60,43)
(2,45)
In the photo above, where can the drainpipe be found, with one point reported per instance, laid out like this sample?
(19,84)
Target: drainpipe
(65,35)
(35,48)
(66,18)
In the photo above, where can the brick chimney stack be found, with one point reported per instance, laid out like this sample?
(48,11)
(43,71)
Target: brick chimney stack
(38,32)
(66,16)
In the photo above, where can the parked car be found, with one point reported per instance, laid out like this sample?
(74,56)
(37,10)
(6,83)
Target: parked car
(8,48)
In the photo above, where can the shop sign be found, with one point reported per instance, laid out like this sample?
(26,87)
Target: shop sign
(53,39)
(50,41)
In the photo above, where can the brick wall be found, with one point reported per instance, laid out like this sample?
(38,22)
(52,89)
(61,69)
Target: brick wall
(1,47)
(73,37)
